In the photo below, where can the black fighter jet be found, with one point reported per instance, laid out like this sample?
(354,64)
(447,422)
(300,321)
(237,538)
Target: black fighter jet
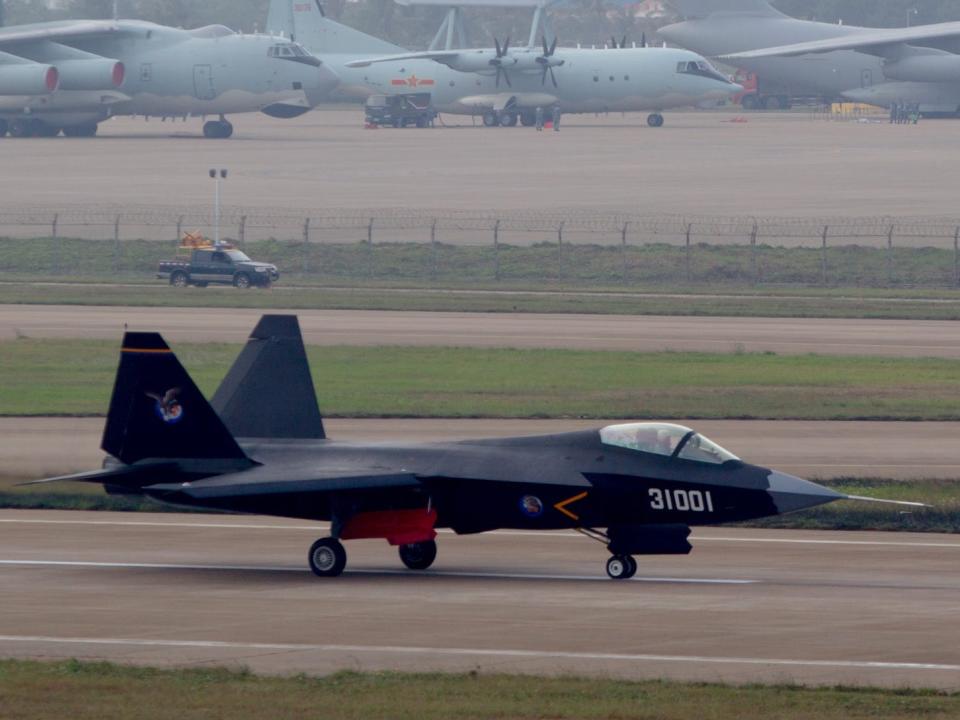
(259,446)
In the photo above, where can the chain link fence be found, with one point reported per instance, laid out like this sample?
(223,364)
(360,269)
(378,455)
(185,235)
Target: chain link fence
(596,248)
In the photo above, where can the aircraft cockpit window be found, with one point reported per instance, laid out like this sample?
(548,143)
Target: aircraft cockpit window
(665,439)
(657,438)
(701,68)
(697,447)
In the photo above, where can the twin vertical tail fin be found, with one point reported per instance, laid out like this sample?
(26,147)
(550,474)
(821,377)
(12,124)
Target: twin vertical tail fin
(157,412)
(269,392)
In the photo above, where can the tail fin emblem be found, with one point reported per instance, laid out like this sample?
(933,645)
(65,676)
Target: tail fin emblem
(168,405)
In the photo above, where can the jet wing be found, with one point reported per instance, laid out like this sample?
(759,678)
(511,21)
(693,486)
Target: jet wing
(57,31)
(267,480)
(441,56)
(870,41)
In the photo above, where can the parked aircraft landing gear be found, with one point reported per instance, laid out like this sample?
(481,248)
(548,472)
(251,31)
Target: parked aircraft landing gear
(217,129)
(83,130)
(419,556)
(528,119)
(621,567)
(655,120)
(491,119)
(508,119)
(327,557)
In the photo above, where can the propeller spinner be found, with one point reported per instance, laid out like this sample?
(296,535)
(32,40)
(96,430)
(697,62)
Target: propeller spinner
(547,62)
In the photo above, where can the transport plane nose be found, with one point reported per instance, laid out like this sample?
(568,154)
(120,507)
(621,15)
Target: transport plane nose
(791,493)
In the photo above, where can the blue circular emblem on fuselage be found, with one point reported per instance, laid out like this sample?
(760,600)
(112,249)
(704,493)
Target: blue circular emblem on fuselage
(531,506)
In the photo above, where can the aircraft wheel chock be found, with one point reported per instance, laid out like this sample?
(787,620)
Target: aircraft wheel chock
(419,556)
(621,567)
(327,557)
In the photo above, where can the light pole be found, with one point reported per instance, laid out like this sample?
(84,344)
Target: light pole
(217,176)
(910,13)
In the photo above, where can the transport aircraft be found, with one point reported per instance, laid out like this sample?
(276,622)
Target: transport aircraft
(912,65)
(259,446)
(505,84)
(71,75)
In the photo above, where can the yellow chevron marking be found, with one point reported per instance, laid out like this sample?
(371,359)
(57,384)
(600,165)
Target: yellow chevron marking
(562,505)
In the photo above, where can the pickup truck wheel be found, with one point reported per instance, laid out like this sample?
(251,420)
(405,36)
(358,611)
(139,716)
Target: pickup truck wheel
(179,279)
(241,280)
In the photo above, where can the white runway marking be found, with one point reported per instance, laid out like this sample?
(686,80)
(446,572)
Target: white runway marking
(319,527)
(418,573)
(480,652)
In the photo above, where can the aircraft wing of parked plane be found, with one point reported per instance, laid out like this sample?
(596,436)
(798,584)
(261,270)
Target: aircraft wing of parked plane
(259,446)
(70,75)
(874,41)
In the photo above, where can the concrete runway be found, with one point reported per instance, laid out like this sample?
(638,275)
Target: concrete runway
(746,606)
(33,448)
(911,338)
(699,164)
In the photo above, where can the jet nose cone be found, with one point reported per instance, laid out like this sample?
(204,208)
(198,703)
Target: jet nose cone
(791,493)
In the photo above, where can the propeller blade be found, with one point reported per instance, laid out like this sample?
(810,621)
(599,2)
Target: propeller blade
(643,40)
(613,42)
(506,77)
(623,43)
(506,45)
(553,46)
(546,50)
(497,44)
(552,76)
(543,75)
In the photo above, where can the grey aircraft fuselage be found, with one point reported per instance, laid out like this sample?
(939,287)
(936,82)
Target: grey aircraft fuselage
(166,72)
(845,74)
(589,80)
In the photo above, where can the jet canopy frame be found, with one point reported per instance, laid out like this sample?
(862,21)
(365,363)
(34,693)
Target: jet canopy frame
(667,439)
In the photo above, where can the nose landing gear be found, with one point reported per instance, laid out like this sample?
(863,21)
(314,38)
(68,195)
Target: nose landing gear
(621,567)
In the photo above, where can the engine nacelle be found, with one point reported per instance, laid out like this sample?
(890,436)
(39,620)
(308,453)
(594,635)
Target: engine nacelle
(925,68)
(94,74)
(28,79)
(475,62)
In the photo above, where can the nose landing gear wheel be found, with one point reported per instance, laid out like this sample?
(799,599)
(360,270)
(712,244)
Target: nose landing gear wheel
(419,556)
(655,120)
(621,567)
(327,557)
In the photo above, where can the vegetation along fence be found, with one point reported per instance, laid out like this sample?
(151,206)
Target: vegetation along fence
(511,247)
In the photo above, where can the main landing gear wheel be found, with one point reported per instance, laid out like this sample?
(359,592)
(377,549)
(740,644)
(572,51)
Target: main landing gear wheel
(508,119)
(419,556)
(655,120)
(217,129)
(327,557)
(490,119)
(621,567)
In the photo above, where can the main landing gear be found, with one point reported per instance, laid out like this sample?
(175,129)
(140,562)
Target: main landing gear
(655,120)
(218,129)
(328,557)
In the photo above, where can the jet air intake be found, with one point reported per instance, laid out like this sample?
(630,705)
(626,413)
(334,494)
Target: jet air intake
(96,74)
(28,79)
(925,68)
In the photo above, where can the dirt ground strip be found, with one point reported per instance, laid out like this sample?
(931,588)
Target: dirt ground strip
(905,338)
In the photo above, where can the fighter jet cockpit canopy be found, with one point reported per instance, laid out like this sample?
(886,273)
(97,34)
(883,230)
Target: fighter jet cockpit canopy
(702,68)
(675,441)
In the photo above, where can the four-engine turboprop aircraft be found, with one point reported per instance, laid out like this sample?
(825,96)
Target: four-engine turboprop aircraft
(260,447)
(504,84)
(914,65)
(71,75)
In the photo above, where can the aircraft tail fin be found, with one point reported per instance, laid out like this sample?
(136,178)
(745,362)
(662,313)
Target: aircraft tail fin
(157,411)
(306,22)
(691,9)
(269,392)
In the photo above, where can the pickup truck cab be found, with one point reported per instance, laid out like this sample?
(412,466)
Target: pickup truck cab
(222,264)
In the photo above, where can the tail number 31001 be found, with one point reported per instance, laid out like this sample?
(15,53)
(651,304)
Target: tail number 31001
(681,500)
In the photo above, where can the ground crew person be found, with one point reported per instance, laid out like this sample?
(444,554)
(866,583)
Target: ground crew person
(539,117)
(556,118)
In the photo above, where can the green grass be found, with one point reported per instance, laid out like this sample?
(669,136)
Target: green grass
(942,495)
(83,691)
(75,377)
